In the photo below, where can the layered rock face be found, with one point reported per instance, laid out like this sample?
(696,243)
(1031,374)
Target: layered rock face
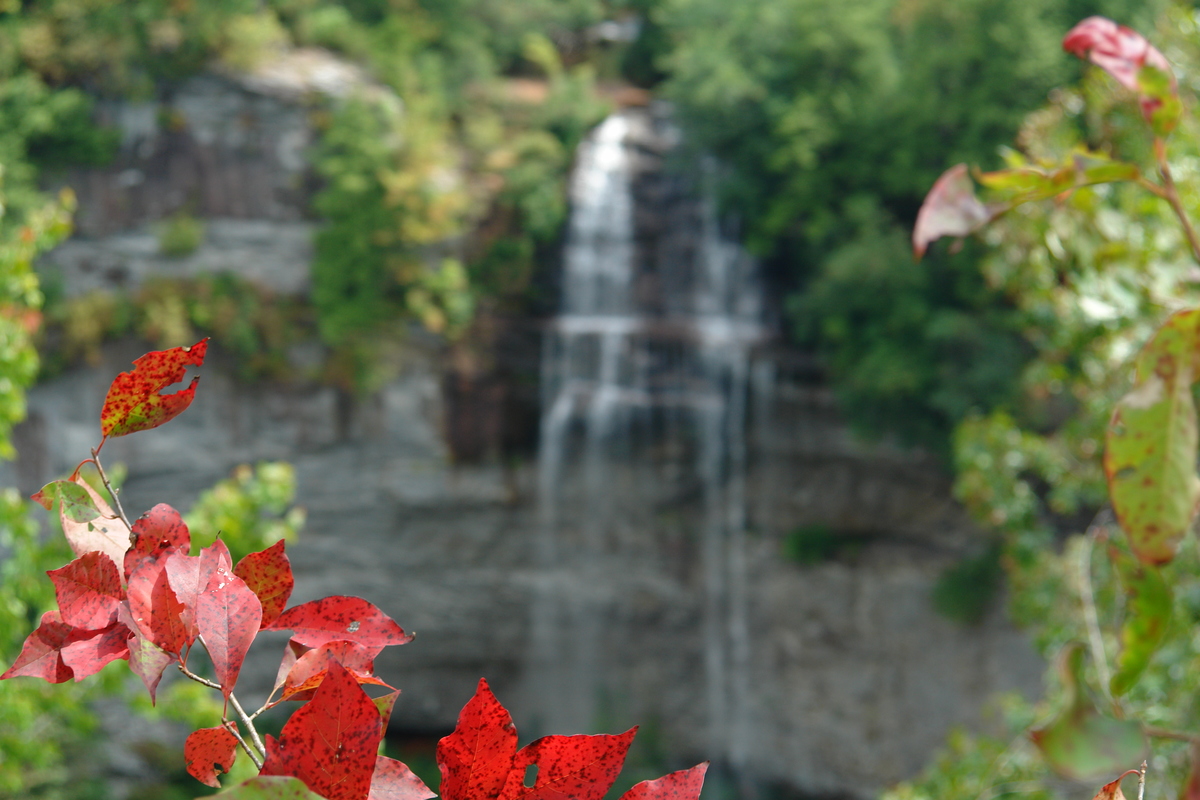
(677,609)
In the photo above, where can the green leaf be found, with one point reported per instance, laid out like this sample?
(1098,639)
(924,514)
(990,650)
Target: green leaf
(1080,742)
(76,504)
(269,787)
(1160,99)
(1148,603)
(1150,458)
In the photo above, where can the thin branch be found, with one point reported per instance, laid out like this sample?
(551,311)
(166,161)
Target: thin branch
(1142,781)
(1171,195)
(1088,600)
(108,485)
(233,728)
(241,712)
(245,718)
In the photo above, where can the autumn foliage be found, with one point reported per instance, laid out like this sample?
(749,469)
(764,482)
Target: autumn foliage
(135,592)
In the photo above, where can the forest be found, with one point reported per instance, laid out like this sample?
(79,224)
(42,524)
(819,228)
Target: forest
(437,191)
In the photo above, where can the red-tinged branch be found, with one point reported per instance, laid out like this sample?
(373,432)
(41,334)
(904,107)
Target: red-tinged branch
(108,485)
(1171,194)
(255,756)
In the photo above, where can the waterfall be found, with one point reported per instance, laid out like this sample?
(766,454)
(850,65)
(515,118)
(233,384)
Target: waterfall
(652,343)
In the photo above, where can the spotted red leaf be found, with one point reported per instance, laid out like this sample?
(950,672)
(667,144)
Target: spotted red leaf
(57,652)
(228,616)
(477,758)
(88,591)
(341,617)
(158,526)
(134,402)
(331,742)
(153,605)
(574,767)
(206,749)
(682,785)
(268,573)
(384,704)
(106,533)
(307,673)
(393,780)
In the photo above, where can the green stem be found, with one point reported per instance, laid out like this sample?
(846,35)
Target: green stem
(1170,193)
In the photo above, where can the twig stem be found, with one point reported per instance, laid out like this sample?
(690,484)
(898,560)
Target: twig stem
(108,485)
(1142,781)
(256,757)
(1171,194)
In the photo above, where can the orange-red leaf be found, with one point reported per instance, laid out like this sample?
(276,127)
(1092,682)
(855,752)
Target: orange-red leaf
(477,758)
(89,651)
(350,618)
(134,402)
(207,749)
(88,591)
(393,780)
(309,669)
(41,655)
(268,573)
(331,742)
(682,785)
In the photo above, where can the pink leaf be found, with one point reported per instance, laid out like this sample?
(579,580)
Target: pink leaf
(188,575)
(950,209)
(339,617)
(393,780)
(309,669)
(88,591)
(269,575)
(228,616)
(1118,50)
(106,533)
(147,661)
(206,749)
(682,785)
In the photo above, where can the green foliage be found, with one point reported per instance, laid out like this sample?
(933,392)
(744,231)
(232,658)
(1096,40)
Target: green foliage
(810,545)
(966,591)
(180,234)
(250,510)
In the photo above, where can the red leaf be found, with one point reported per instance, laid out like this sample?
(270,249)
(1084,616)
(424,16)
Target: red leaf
(682,785)
(569,767)
(41,655)
(156,611)
(133,402)
(106,533)
(1118,50)
(477,758)
(950,209)
(206,748)
(228,616)
(90,651)
(340,617)
(268,573)
(291,653)
(88,591)
(309,670)
(393,780)
(330,743)
(161,525)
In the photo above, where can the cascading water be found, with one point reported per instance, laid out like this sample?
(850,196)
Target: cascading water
(650,346)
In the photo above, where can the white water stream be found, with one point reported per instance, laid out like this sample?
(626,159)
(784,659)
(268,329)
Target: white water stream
(621,363)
